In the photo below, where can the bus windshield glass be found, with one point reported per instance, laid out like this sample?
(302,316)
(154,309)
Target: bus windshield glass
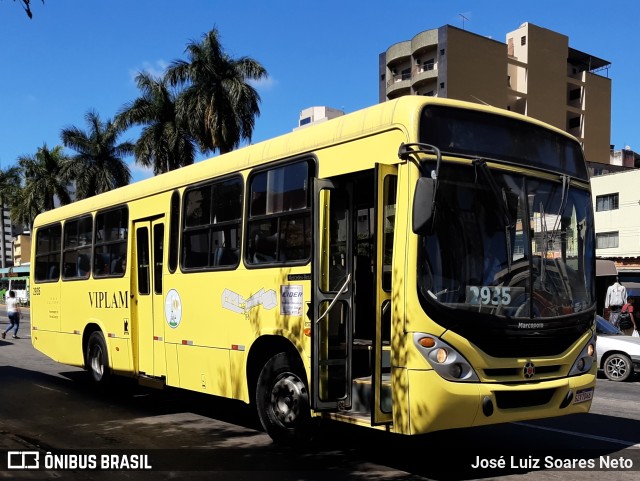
(508,245)
(503,243)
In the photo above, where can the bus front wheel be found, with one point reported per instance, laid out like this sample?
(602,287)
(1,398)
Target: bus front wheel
(282,400)
(97,358)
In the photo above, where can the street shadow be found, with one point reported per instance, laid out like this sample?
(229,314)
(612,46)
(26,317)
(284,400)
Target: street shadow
(236,442)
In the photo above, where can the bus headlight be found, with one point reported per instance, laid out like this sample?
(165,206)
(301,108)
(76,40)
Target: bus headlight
(444,359)
(586,358)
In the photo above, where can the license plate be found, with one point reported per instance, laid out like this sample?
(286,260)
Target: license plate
(583,395)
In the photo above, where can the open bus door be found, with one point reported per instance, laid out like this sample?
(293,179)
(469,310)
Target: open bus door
(385,208)
(332,320)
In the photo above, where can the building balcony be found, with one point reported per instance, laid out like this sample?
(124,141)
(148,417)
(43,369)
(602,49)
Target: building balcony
(423,73)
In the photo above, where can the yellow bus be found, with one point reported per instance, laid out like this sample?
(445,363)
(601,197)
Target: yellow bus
(419,265)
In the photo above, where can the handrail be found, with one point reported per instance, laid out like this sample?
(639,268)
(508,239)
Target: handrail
(342,290)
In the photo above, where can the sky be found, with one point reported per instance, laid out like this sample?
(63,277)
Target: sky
(81,55)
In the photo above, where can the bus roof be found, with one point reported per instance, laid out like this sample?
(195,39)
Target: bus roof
(402,113)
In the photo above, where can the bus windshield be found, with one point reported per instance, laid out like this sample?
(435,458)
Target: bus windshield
(508,245)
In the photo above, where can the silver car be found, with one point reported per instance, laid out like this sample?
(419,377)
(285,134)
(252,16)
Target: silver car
(618,355)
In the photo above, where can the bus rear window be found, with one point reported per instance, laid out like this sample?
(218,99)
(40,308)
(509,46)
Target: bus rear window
(47,262)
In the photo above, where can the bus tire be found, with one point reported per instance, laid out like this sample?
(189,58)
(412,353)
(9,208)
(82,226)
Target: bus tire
(282,400)
(97,358)
(618,367)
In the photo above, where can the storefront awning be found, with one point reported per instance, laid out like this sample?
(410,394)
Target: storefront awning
(606,268)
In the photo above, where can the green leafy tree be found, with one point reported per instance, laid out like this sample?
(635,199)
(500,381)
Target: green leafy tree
(164,143)
(9,182)
(218,103)
(98,165)
(45,184)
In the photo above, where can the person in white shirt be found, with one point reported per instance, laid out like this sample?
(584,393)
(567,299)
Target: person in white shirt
(616,298)
(14,315)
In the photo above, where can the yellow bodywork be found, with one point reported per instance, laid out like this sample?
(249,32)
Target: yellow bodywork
(223,313)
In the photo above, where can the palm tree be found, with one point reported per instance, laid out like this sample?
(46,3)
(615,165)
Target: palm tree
(218,104)
(46,181)
(97,166)
(9,182)
(164,143)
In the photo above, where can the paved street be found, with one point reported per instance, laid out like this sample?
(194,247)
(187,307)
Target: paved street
(48,407)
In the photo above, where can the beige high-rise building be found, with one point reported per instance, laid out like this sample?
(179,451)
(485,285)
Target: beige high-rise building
(535,73)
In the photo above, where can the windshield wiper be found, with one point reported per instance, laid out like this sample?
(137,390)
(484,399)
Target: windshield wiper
(501,199)
(499,193)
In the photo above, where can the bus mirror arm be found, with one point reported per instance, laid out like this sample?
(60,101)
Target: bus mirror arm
(342,290)
(424,198)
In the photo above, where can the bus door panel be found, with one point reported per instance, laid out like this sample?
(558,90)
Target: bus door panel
(147,305)
(385,202)
(332,323)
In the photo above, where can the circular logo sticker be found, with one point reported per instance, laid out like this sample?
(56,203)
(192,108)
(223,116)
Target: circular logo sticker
(173,308)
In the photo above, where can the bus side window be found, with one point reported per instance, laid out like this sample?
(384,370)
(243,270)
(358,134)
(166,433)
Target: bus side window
(265,248)
(84,266)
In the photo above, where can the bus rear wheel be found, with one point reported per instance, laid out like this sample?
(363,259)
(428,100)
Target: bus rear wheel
(97,361)
(282,400)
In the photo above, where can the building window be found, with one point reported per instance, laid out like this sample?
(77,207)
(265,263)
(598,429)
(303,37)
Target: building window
(441,85)
(523,40)
(606,240)
(441,51)
(574,122)
(607,202)
(305,121)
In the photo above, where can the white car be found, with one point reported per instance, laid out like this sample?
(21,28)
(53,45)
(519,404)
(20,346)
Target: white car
(618,354)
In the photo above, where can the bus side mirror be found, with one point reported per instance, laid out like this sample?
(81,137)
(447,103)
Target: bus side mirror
(423,205)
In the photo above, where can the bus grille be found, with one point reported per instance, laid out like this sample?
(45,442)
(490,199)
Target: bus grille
(511,372)
(521,399)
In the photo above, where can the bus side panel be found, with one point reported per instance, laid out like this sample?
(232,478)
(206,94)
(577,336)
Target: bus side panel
(46,342)
(120,356)
(70,349)
(238,373)
(173,370)
(204,369)
(45,318)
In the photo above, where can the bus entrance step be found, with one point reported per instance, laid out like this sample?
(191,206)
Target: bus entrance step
(152,382)
(362,394)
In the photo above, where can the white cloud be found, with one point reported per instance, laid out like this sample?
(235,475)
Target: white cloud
(264,84)
(156,69)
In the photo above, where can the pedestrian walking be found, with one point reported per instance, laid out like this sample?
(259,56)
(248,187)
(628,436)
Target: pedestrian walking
(14,314)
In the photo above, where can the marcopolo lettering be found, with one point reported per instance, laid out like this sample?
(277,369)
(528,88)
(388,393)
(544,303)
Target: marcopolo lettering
(109,300)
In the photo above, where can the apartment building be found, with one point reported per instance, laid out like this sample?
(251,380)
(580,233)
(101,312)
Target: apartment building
(22,249)
(534,72)
(616,202)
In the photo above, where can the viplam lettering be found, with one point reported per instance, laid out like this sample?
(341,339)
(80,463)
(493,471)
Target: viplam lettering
(109,300)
